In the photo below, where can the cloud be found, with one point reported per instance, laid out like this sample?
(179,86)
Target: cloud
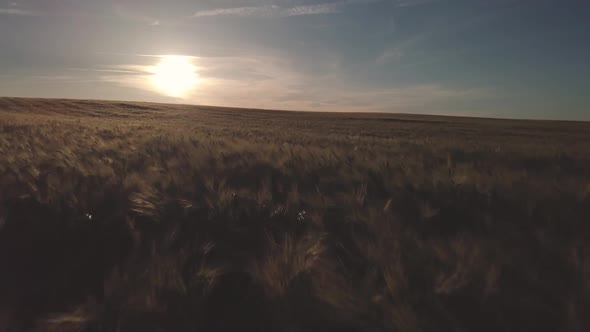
(40,79)
(271,11)
(431,98)
(120,71)
(266,80)
(237,11)
(17,12)
(328,8)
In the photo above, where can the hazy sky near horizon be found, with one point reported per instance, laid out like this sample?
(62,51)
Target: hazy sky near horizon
(498,58)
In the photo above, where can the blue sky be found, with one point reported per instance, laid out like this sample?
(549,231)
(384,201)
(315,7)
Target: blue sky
(497,58)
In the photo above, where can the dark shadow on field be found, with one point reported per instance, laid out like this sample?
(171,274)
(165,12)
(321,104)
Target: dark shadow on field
(52,259)
(256,268)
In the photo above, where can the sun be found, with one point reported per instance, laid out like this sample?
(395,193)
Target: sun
(174,75)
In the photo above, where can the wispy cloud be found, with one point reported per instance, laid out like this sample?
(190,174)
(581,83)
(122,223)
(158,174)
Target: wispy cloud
(271,11)
(40,79)
(145,55)
(268,82)
(17,12)
(236,11)
(328,8)
(431,98)
(121,71)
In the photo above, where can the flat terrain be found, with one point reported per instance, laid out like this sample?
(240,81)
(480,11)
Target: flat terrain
(118,216)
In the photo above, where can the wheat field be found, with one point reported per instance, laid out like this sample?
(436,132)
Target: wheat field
(120,216)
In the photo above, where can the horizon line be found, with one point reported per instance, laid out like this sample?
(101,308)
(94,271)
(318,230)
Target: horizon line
(444,115)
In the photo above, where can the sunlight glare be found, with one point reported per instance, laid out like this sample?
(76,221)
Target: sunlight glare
(174,75)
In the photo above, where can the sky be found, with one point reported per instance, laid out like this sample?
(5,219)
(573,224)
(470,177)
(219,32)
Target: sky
(485,58)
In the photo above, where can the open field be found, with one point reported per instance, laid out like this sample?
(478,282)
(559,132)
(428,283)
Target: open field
(119,216)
